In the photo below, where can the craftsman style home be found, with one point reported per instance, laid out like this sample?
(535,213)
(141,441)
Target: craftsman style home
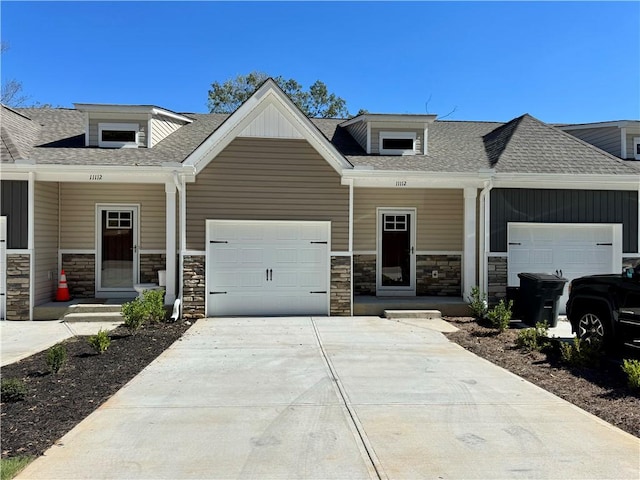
(268,212)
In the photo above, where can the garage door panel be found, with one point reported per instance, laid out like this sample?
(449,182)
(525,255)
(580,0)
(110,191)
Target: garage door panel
(575,249)
(272,270)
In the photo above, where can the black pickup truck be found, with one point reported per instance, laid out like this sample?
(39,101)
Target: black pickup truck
(606,308)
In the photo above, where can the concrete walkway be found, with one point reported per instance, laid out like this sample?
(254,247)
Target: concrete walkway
(333,398)
(20,340)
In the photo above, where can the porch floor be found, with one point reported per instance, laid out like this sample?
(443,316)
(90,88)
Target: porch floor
(371,305)
(57,310)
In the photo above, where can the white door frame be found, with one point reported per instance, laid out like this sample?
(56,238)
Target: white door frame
(103,207)
(410,290)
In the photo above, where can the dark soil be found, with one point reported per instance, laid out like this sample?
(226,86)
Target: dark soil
(602,390)
(54,404)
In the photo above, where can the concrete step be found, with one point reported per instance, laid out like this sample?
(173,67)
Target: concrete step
(423,314)
(93,317)
(94,308)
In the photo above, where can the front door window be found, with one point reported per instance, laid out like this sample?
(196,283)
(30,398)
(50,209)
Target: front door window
(396,250)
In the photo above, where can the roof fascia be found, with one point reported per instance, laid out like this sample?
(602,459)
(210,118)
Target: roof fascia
(268,94)
(583,126)
(390,117)
(567,181)
(95,173)
(403,179)
(115,108)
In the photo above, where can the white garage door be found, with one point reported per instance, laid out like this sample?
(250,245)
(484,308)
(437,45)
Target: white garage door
(3,267)
(267,268)
(575,250)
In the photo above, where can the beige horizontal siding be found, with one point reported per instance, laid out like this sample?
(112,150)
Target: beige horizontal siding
(607,138)
(78,212)
(45,241)
(440,219)
(162,127)
(359,132)
(268,179)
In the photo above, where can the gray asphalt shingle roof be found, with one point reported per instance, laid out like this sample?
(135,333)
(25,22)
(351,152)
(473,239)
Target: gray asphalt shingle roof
(523,145)
(17,135)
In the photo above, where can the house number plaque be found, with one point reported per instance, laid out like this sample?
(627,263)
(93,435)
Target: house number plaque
(401,183)
(95,176)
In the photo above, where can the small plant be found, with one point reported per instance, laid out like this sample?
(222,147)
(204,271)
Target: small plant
(11,466)
(100,341)
(500,315)
(534,338)
(134,315)
(153,301)
(56,358)
(13,390)
(632,369)
(581,353)
(478,304)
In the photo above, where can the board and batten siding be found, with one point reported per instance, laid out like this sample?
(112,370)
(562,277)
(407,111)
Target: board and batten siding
(268,179)
(141,120)
(563,206)
(375,137)
(45,241)
(440,221)
(14,204)
(78,212)
(162,127)
(606,138)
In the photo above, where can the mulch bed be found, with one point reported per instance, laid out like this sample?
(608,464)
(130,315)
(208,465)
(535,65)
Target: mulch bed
(601,391)
(56,403)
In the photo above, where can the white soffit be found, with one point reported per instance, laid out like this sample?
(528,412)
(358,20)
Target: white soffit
(271,123)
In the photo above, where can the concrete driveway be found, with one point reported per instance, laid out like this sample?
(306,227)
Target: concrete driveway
(333,398)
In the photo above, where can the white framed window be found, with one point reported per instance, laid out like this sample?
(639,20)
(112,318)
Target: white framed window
(395,223)
(118,220)
(397,143)
(118,135)
(636,148)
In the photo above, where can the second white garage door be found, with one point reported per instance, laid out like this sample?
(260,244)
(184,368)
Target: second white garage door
(267,268)
(575,250)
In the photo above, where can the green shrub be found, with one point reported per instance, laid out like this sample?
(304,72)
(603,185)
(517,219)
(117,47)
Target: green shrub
(153,301)
(632,369)
(534,338)
(134,315)
(149,308)
(581,353)
(500,315)
(12,390)
(56,358)
(100,341)
(478,303)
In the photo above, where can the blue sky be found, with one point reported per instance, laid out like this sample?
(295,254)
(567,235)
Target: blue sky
(559,61)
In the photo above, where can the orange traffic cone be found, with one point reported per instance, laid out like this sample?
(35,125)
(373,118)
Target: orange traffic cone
(62,295)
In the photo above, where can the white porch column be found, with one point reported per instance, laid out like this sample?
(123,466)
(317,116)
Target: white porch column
(170,213)
(469,252)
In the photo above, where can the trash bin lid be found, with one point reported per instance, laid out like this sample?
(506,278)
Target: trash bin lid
(542,277)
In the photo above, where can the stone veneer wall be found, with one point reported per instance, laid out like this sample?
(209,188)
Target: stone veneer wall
(448,283)
(193,287)
(150,263)
(17,294)
(364,274)
(80,270)
(340,300)
(497,272)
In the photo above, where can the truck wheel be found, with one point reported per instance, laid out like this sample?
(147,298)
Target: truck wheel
(593,328)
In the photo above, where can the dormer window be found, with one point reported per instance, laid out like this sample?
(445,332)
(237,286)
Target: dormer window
(118,135)
(636,148)
(397,143)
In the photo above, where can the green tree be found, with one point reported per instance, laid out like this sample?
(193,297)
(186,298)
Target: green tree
(317,101)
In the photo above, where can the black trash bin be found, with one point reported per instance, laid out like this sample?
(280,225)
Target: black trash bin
(539,297)
(513,295)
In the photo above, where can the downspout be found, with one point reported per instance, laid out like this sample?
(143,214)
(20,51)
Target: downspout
(485,236)
(31,241)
